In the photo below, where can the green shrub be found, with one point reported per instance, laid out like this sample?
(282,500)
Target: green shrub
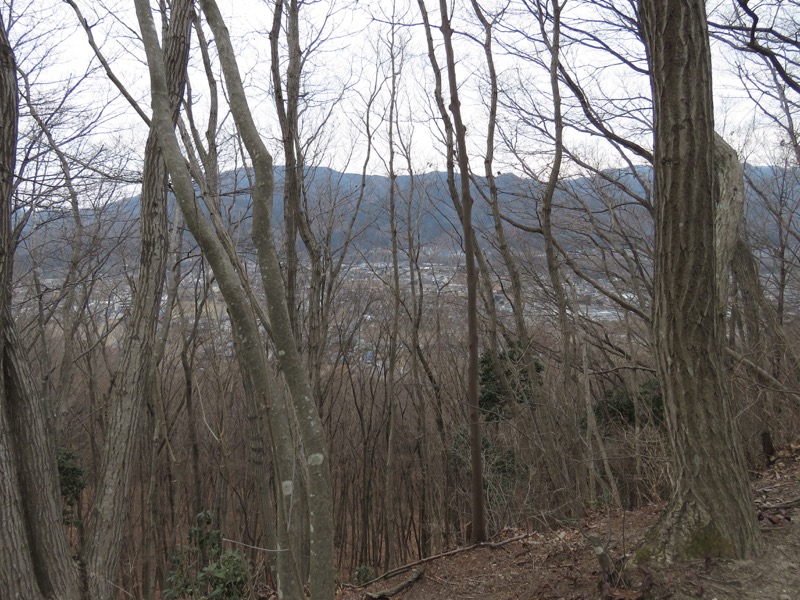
(70,477)
(616,407)
(493,399)
(205,570)
(363,574)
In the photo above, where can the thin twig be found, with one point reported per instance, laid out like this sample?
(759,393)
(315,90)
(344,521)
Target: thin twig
(252,547)
(788,504)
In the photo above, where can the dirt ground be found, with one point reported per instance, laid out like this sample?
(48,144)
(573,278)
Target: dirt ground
(561,564)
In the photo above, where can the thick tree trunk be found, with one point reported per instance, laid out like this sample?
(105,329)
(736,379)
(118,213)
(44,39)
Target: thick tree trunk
(710,512)
(34,556)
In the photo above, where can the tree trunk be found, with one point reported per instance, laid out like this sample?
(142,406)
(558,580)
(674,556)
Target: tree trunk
(456,142)
(136,382)
(314,445)
(287,108)
(729,186)
(566,441)
(710,512)
(34,556)
(265,402)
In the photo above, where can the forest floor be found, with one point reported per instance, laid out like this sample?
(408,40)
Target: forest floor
(561,564)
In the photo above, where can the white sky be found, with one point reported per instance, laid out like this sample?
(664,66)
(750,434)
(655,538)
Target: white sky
(347,60)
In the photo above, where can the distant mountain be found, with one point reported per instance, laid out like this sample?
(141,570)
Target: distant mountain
(331,199)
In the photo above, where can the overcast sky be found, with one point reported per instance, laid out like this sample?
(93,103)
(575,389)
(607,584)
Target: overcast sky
(351,50)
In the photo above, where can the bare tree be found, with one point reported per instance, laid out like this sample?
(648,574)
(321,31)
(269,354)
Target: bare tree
(137,380)
(462,197)
(259,374)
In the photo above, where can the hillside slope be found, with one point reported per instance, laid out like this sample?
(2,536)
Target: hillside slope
(561,564)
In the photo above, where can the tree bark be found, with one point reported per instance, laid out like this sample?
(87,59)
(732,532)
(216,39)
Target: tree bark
(287,108)
(307,417)
(729,186)
(136,382)
(265,401)
(710,512)
(34,556)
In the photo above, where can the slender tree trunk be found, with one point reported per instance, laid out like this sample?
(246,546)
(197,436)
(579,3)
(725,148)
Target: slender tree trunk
(593,436)
(267,411)
(419,397)
(568,384)
(314,445)
(136,382)
(710,512)
(457,150)
(391,383)
(287,107)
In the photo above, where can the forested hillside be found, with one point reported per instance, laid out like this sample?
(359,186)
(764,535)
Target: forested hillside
(297,293)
